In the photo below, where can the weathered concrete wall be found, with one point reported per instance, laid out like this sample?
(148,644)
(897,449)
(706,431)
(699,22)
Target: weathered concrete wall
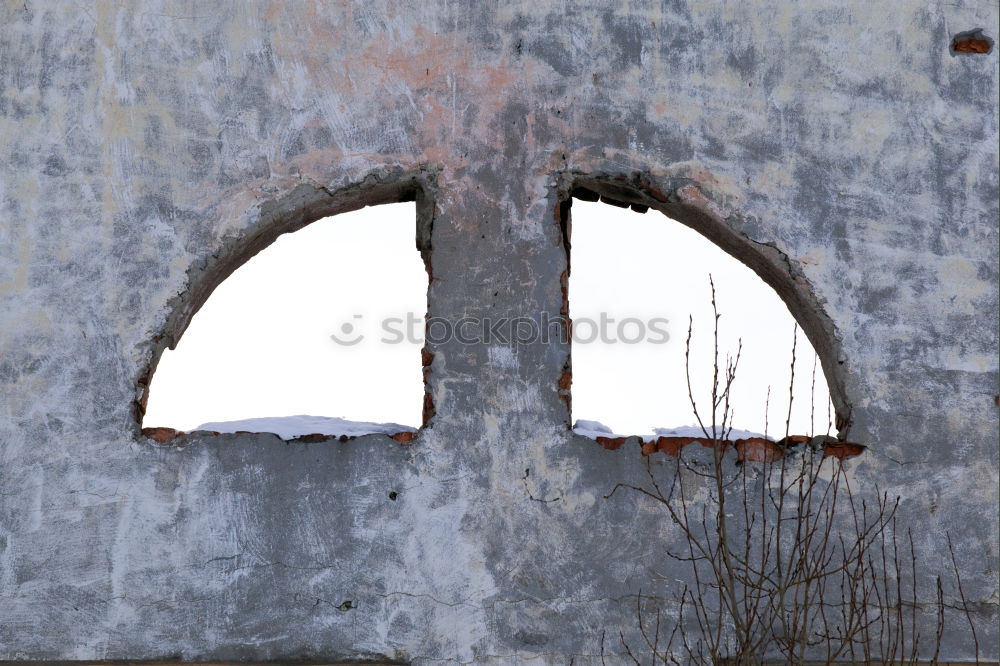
(143,146)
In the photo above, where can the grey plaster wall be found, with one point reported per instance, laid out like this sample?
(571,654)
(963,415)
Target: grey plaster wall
(840,148)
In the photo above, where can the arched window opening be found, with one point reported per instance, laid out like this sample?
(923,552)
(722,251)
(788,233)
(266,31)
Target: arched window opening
(319,333)
(635,280)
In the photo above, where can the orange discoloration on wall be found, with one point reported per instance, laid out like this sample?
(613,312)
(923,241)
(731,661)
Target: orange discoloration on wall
(498,78)
(692,195)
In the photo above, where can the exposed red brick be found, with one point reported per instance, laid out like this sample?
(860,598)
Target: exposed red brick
(672,445)
(617,203)
(143,399)
(404,437)
(708,442)
(565,380)
(757,449)
(971,45)
(843,450)
(564,285)
(426,358)
(161,435)
(656,193)
(312,437)
(794,440)
(429,409)
(611,443)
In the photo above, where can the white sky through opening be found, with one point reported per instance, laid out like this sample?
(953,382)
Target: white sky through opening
(629,265)
(261,345)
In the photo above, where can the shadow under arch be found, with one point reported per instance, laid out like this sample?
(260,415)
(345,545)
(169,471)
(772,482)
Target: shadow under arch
(682,200)
(298,208)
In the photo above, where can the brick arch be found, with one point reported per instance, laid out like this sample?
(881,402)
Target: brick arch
(683,200)
(298,208)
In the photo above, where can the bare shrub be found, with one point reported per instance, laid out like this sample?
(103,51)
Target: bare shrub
(788,561)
